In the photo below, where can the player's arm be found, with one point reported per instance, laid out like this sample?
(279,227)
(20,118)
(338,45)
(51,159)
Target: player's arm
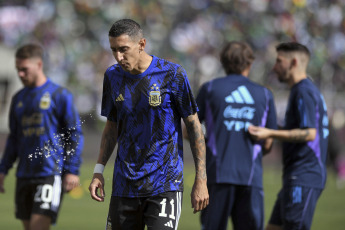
(267,146)
(293,135)
(108,142)
(11,151)
(73,142)
(199,195)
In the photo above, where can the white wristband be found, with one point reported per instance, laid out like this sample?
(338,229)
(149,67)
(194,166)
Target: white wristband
(99,168)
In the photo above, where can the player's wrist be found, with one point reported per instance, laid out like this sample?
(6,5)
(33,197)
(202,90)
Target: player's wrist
(99,168)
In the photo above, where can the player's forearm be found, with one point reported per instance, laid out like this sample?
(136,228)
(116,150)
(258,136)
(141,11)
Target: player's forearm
(108,142)
(197,144)
(267,145)
(9,156)
(294,135)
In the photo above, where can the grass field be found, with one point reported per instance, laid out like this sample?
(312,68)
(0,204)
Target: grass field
(79,211)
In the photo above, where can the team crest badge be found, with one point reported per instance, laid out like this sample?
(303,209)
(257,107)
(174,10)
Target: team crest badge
(45,101)
(155,96)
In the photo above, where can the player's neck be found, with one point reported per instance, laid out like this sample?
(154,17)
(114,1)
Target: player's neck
(41,80)
(297,77)
(143,64)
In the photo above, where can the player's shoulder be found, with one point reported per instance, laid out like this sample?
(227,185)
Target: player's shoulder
(169,66)
(306,87)
(113,69)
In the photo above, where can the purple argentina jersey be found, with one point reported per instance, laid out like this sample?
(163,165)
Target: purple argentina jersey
(147,109)
(45,133)
(228,106)
(305,163)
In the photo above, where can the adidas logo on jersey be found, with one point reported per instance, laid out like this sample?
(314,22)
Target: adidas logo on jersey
(240,96)
(169,224)
(240,116)
(120,98)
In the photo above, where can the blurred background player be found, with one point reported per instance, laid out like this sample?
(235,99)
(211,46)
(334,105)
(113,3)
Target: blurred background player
(144,99)
(46,137)
(234,161)
(305,140)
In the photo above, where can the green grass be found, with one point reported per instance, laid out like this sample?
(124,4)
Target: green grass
(84,213)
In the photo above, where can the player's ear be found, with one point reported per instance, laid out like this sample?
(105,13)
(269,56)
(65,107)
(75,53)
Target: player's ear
(293,62)
(142,44)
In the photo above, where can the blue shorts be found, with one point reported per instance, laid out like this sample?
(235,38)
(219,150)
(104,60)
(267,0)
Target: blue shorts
(244,204)
(294,208)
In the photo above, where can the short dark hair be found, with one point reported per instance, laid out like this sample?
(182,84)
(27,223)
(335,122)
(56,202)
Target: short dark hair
(29,51)
(293,47)
(236,56)
(126,26)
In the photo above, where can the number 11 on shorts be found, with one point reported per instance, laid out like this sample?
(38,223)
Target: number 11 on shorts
(163,213)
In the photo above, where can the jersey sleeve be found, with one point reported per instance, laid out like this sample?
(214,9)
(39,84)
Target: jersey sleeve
(272,114)
(11,152)
(201,101)
(184,99)
(74,139)
(108,108)
(307,111)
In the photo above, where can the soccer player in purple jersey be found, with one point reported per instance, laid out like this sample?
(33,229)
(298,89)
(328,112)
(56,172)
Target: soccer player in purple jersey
(144,99)
(46,137)
(228,105)
(305,140)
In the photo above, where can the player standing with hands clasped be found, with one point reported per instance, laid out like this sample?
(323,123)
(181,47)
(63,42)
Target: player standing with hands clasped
(228,105)
(305,139)
(144,99)
(46,137)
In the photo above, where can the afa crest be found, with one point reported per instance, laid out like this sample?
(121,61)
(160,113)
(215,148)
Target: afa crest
(155,96)
(45,101)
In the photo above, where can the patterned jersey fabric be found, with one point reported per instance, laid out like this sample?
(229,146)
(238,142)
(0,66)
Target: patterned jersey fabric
(45,133)
(147,109)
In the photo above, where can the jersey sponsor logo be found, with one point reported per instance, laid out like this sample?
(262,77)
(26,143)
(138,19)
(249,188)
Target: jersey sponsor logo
(45,101)
(240,96)
(155,96)
(120,98)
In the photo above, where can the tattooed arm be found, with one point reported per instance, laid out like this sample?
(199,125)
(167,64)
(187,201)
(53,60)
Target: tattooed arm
(199,195)
(293,135)
(108,142)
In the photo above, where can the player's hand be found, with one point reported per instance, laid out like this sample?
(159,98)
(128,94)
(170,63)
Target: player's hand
(70,181)
(258,133)
(199,195)
(2,179)
(96,187)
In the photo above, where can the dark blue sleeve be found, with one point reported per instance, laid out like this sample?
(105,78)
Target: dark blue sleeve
(307,110)
(11,152)
(201,101)
(271,115)
(108,109)
(184,99)
(74,139)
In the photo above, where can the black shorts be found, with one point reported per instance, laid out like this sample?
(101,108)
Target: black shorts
(38,196)
(156,212)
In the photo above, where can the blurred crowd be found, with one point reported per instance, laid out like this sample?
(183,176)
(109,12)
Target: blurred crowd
(188,32)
